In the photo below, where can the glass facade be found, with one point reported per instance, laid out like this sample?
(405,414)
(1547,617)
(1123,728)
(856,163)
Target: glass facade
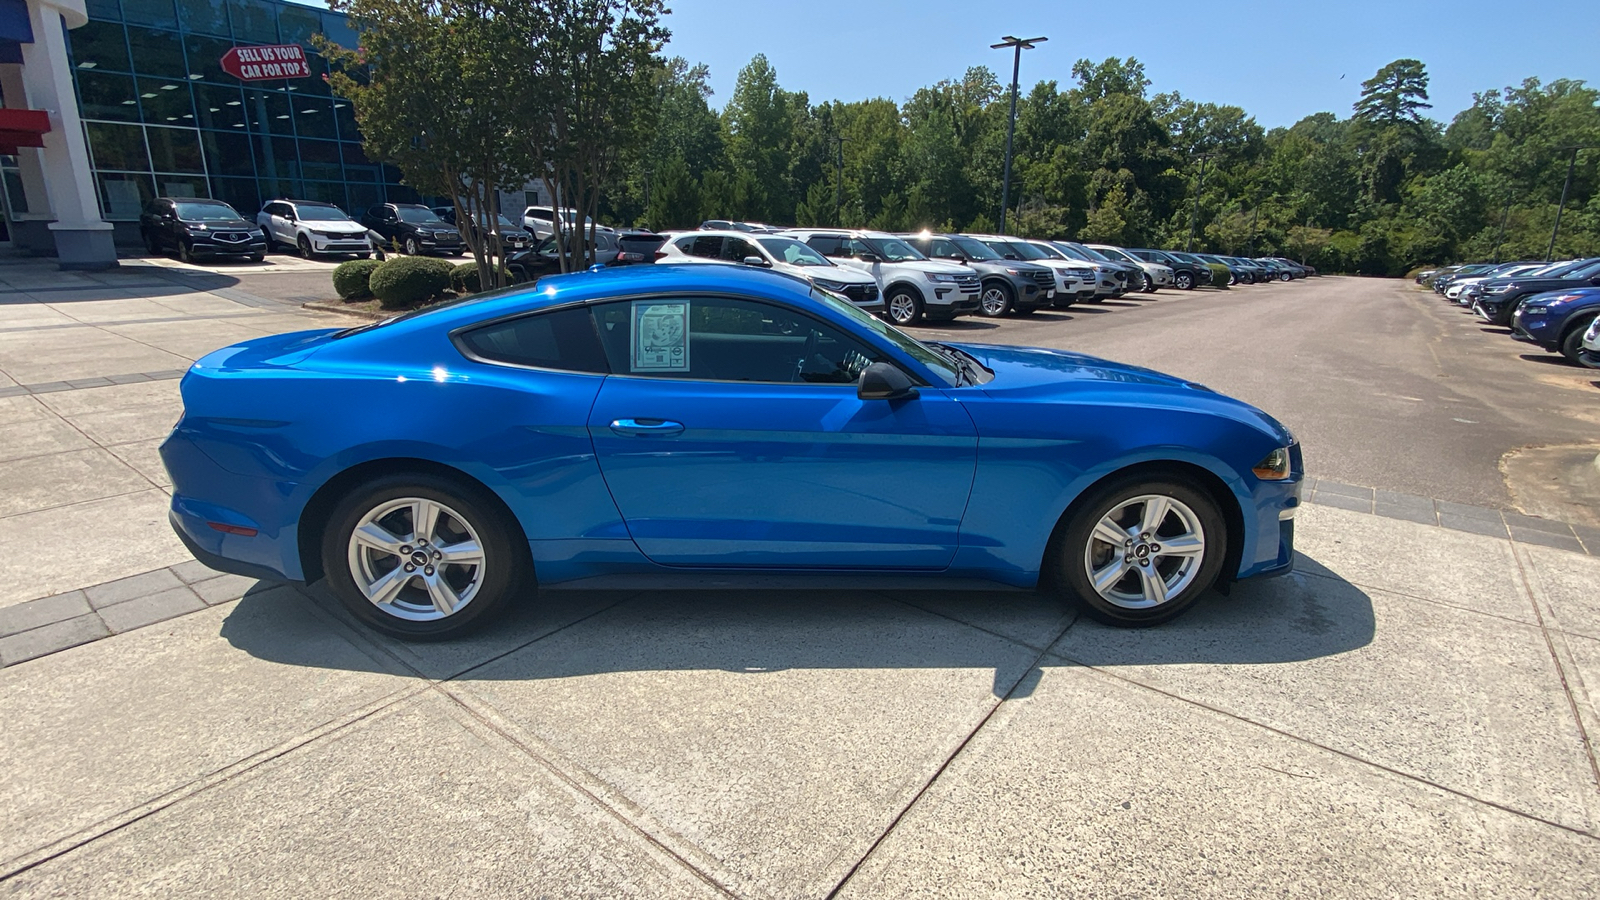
(163,119)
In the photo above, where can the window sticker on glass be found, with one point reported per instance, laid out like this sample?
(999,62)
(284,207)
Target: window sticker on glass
(660,336)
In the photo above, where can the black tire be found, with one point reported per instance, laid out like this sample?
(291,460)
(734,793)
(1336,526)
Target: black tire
(1572,341)
(1183,281)
(910,306)
(258,257)
(1149,284)
(996,300)
(151,244)
(363,256)
(412,248)
(1070,550)
(184,253)
(506,571)
(304,246)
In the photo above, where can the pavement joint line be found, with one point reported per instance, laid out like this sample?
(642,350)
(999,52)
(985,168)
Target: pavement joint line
(921,792)
(591,787)
(1561,669)
(1571,535)
(994,634)
(29,329)
(1455,792)
(116,822)
(29,512)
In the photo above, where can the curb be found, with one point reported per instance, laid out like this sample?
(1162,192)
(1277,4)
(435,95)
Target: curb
(334,306)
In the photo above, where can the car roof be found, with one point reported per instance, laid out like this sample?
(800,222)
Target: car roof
(304,202)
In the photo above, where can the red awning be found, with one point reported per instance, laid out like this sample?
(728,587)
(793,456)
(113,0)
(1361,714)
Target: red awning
(22,128)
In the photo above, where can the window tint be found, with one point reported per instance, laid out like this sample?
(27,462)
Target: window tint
(705,246)
(721,339)
(828,245)
(563,339)
(942,249)
(736,249)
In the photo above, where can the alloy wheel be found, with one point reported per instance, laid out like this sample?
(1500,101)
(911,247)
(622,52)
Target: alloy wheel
(1184,281)
(994,301)
(902,308)
(412,247)
(416,559)
(305,247)
(1145,551)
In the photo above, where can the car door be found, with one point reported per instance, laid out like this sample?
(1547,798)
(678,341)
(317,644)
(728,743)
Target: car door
(730,434)
(285,224)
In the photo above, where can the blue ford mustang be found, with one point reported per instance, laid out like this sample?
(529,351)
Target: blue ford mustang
(695,425)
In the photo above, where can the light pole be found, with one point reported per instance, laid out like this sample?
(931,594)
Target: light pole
(1018,45)
(1189,244)
(1550,254)
(1501,235)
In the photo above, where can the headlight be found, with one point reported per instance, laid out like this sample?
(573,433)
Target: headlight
(195,226)
(1275,467)
(941,278)
(1497,289)
(1593,332)
(1531,313)
(1010,271)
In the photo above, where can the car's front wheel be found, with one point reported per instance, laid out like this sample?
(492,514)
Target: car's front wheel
(1572,343)
(421,557)
(903,306)
(412,247)
(1183,281)
(1141,550)
(304,245)
(995,300)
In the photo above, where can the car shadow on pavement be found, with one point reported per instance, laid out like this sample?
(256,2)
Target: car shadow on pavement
(561,634)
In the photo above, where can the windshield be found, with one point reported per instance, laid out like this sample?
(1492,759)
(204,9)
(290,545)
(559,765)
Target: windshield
(1112,253)
(1022,249)
(1071,252)
(974,248)
(893,250)
(419,216)
(912,347)
(322,214)
(792,252)
(206,212)
(1584,270)
(1087,252)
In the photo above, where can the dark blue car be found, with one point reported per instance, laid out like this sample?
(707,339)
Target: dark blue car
(1557,320)
(684,425)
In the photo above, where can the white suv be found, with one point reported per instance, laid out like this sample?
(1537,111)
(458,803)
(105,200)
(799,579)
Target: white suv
(912,285)
(775,252)
(1156,275)
(312,228)
(541,220)
(1075,280)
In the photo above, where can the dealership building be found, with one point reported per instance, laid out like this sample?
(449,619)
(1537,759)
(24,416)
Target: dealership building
(135,99)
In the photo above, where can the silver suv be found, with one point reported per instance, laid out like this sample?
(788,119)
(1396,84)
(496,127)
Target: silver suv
(913,286)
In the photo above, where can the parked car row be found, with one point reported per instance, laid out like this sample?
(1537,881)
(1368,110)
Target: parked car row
(1555,305)
(931,276)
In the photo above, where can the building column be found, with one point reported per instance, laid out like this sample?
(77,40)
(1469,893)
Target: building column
(83,239)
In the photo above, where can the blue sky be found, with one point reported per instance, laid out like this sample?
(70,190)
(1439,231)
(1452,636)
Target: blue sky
(1278,60)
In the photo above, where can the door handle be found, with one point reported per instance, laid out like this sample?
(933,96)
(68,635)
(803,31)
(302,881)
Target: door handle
(659,427)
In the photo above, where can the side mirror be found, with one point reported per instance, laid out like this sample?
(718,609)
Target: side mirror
(869,257)
(756,261)
(884,381)
(1013,256)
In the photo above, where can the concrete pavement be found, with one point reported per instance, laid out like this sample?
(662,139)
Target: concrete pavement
(1413,713)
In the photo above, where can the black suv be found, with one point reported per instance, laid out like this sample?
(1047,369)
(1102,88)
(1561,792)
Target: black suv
(1185,273)
(414,227)
(1007,285)
(1500,297)
(513,237)
(199,229)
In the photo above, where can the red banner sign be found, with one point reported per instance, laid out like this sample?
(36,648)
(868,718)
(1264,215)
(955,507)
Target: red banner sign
(266,63)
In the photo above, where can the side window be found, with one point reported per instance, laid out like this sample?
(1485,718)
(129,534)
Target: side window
(563,339)
(736,249)
(722,339)
(942,249)
(707,246)
(828,245)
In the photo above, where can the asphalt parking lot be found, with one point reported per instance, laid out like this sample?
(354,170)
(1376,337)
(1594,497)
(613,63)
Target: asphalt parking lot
(1412,713)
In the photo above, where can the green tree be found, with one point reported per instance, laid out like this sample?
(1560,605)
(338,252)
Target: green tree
(1396,95)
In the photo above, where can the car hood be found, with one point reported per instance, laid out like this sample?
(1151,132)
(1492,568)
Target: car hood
(340,227)
(1038,372)
(229,225)
(1540,284)
(828,273)
(1577,298)
(928,265)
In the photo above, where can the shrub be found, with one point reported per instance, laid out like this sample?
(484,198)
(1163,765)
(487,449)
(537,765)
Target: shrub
(408,280)
(464,278)
(350,279)
(1220,275)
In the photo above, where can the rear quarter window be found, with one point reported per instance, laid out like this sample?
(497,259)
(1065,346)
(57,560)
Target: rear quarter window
(564,340)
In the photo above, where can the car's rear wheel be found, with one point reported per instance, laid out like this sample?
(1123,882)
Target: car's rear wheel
(422,558)
(1141,550)
(1572,343)
(996,300)
(1183,281)
(903,306)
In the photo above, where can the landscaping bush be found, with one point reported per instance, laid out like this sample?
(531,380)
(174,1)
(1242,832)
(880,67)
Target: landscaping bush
(350,279)
(1220,275)
(464,278)
(408,280)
